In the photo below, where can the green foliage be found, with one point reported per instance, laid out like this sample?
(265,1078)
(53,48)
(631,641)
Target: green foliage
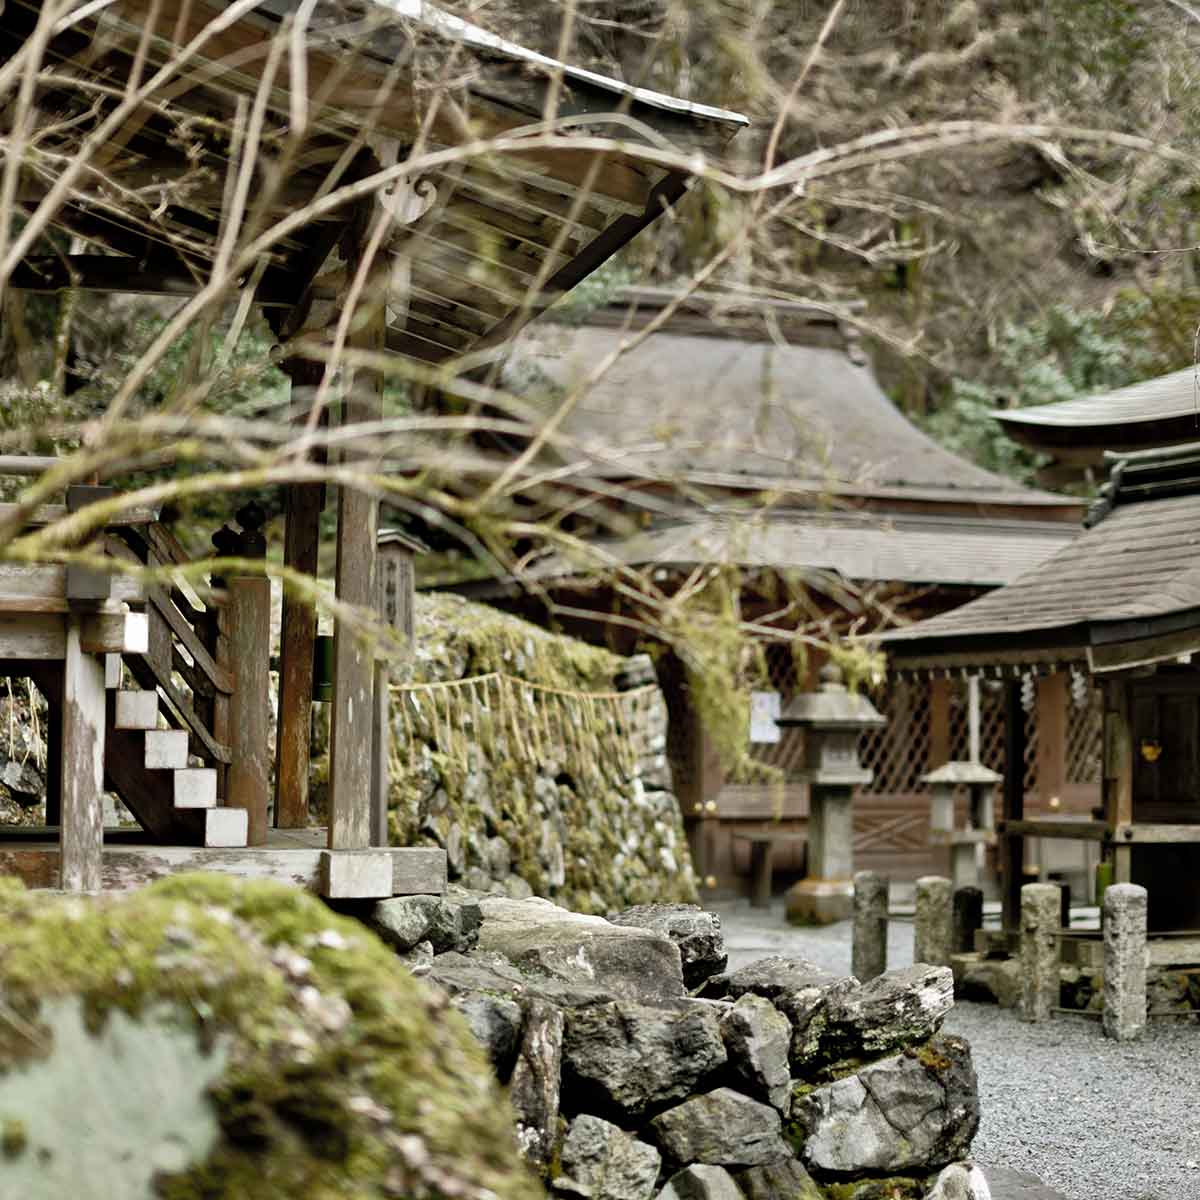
(1064,354)
(594,291)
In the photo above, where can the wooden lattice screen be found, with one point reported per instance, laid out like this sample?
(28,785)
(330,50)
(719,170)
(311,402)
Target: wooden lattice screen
(898,753)
(1085,735)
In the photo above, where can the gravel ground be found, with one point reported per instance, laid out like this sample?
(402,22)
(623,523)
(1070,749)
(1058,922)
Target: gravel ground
(1095,1119)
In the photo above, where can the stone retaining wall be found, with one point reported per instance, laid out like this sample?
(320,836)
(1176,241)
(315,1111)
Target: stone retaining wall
(639,1069)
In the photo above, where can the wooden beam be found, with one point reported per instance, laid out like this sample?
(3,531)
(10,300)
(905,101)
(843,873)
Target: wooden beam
(354,663)
(1158,835)
(82,837)
(114,633)
(1088,831)
(416,870)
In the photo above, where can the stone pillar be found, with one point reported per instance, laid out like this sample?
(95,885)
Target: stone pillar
(869,953)
(1039,950)
(967,920)
(1124,961)
(933,922)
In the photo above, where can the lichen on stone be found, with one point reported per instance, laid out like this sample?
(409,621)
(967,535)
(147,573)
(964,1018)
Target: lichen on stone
(340,1075)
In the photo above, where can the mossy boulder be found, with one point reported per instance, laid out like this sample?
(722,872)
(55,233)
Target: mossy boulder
(209,1038)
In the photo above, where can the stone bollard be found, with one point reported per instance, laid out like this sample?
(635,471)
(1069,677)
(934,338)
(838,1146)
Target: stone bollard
(1039,950)
(968,919)
(1124,961)
(932,931)
(869,951)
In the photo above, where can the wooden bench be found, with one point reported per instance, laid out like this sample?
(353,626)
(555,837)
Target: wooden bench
(762,846)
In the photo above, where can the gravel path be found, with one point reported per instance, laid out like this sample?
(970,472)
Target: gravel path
(1095,1119)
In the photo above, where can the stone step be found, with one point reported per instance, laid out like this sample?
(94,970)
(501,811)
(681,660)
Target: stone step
(196,787)
(166,749)
(136,710)
(226,826)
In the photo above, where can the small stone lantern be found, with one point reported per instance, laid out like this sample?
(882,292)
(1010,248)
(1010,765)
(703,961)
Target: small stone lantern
(832,719)
(981,816)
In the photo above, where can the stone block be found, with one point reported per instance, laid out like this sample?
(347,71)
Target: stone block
(784,1179)
(535,1087)
(701,1182)
(721,1128)
(960,1181)
(538,935)
(602,1162)
(696,932)
(892,1012)
(758,1040)
(912,1112)
(869,947)
(819,901)
(356,874)
(1040,908)
(496,1024)
(630,1059)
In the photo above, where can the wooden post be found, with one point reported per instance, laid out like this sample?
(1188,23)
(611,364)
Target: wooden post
(298,634)
(1118,771)
(1012,849)
(226,544)
(82,838)
(381,745)
(350,734)
(939,722)
(249,623)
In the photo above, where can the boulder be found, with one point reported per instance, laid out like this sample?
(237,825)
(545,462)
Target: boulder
(897,1009)
(915,1111)
(632,1059)
(960,1181)
(536,1082)
(784,1179)
(987,979)
(460,974)
(697,934)
(701,1182)
(757,1037)
(603,1162)
(210,1036)
(723,1128)
(537,935)
(448,923)
(496,1025)
(800,990)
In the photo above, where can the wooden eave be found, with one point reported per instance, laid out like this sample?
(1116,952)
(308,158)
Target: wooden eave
(495,225)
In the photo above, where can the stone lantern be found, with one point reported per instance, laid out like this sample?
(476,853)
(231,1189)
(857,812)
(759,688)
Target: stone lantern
(832,719)
(980,830)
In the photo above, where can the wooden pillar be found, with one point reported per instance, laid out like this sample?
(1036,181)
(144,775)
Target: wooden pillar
(1118,771)
(49,683)
(1012,849)
(939,722)
(298,635)
(248,610)
(1052,700)
(351,723)
(82,838)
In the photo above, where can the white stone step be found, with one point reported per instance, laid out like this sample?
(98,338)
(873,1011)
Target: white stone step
(196,787)
(112,671)
(166,749)
(137,710)
(226,827)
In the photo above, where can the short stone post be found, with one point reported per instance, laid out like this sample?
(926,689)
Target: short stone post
(933,922)
(869,950)
(1040,906)
(968,919)
(1124,961)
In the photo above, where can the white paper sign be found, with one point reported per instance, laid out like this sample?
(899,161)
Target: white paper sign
(764,711)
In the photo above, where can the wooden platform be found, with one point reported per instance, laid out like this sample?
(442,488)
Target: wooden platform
(290,856)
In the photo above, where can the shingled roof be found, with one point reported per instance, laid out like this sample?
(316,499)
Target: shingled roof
(733,394)
(1124,591)
(1153,412)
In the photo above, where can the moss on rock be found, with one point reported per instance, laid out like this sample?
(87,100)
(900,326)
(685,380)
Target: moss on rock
(343,1075)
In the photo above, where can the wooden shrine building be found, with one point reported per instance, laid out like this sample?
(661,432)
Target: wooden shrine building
(734,400)
(1121,602)
(141,110)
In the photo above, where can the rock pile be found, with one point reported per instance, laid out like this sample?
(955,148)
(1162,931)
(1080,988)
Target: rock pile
(640,1070)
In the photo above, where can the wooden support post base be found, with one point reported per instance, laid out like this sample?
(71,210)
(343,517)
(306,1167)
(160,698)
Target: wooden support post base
(356,874)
